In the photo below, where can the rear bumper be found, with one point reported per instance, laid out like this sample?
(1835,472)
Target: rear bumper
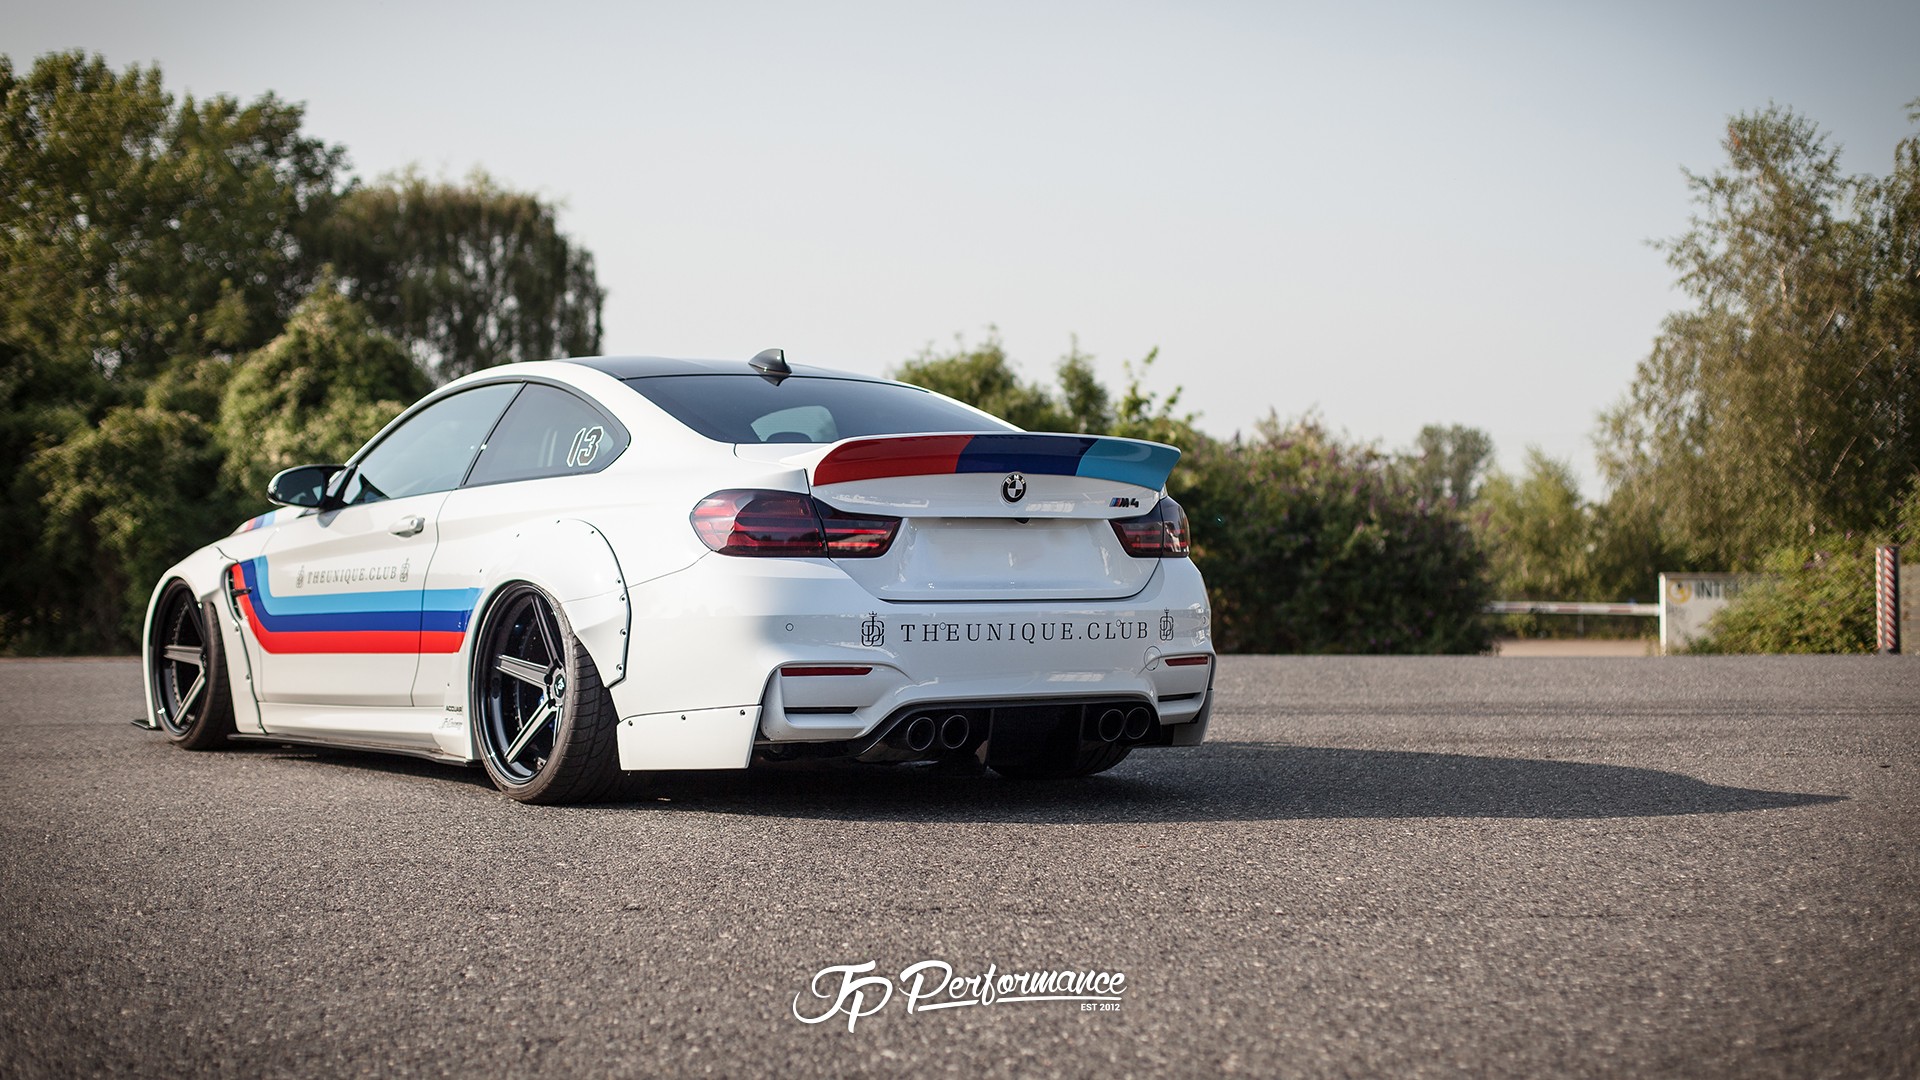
(723,640)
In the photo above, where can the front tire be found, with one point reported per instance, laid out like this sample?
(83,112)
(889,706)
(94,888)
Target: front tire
(546,725)
(192,698)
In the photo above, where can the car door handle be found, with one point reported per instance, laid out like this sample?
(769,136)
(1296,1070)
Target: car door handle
(408,526)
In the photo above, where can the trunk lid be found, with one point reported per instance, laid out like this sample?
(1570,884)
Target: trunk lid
(997,516)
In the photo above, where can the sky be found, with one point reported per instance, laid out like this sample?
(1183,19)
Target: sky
(1390,215)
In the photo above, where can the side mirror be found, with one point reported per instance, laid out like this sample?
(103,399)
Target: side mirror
(302,485)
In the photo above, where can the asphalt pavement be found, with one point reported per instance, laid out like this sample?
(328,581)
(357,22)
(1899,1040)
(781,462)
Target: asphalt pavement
(1375,867)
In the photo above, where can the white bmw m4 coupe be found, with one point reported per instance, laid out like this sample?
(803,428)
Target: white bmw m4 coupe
(566,569)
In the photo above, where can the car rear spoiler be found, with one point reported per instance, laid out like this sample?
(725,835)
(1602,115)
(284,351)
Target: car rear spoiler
(1095,457)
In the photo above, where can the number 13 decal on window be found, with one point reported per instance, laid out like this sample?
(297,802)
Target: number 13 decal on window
(586,447)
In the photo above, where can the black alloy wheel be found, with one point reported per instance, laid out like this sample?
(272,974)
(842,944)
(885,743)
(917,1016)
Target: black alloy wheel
(545,724)
(191,697)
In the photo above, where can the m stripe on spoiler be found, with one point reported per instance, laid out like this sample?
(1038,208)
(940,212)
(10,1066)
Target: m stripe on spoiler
(1126,461)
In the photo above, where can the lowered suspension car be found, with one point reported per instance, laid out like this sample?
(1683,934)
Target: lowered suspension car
(565,569)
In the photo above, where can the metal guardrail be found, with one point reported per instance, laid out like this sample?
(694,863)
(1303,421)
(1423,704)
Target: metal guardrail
(1566,607)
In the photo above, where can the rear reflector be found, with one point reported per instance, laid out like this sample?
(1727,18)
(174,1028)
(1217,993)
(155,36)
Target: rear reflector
(1187,661)
(1160,533)
(804,672)
(788,524)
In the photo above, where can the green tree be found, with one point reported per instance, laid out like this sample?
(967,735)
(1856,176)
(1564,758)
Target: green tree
(145,243)
(1889,208)
(1627,553)
(983,377)
(40,404)
(1146,414)
(136,235)
(1544,541)
(314,394)
(465,275)
(1781,406)
(133,231)
(1538,530)
(1448,462)
(1084,400)
(124,500)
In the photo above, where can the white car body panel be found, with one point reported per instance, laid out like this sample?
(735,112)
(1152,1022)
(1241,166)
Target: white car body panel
(373,556)
(695,739)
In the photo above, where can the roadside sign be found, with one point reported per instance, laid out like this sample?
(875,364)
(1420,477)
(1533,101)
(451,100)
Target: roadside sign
(1687,601)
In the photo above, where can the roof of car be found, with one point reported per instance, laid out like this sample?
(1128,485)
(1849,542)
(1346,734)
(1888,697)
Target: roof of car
(640,367)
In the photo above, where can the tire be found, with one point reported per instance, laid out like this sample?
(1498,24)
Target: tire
(193,699)
(1077,761)
(544,723)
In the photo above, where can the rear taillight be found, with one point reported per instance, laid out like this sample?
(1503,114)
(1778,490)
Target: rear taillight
(788,524)
(855,536)
(1160,533)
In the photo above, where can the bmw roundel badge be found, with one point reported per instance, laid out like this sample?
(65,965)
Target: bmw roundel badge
(1013,488)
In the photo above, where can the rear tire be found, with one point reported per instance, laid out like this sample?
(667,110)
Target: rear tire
(1082,760)
(545,725)
(192,698)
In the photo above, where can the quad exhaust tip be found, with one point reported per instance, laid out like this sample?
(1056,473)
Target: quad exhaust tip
(954,731)
(1115,724)
(920,734)
(928,734)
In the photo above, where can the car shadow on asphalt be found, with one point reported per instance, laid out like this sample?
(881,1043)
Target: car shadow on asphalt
(368,761)
(1232,781)
(1217,781)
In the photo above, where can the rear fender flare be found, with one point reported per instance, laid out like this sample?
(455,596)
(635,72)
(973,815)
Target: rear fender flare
(572,562)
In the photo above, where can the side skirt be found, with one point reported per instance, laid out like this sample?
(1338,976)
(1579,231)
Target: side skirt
(431,754)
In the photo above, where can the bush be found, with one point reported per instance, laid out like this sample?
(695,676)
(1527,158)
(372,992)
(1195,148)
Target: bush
(1821,599)
(1313,545)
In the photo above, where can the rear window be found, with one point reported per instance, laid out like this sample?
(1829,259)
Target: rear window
(804,409)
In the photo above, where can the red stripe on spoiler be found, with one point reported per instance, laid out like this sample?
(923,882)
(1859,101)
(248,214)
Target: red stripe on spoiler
(914,455)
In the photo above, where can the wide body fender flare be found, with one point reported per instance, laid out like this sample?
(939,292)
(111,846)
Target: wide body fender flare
(571,561)
(205,574)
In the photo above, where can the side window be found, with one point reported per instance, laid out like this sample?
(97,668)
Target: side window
(431,451)
(547,432)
